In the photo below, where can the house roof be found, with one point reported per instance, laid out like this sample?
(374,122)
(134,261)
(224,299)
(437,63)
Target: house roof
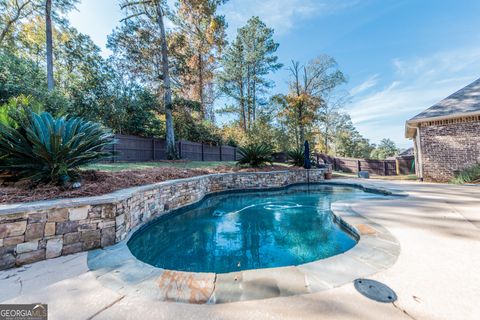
(407,152)
(464,101)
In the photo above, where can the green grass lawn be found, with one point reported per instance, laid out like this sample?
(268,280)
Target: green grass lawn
(145,165)
(180,164)
(210,165)
(411,177)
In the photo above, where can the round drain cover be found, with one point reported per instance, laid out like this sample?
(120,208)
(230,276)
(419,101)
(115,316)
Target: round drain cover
(375,290)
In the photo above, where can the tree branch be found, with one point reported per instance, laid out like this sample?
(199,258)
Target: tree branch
(132,16)
(135,3)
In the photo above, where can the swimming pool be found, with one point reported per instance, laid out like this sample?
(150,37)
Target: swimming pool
(249,230)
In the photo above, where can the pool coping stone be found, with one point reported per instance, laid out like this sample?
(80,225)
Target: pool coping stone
(377,249)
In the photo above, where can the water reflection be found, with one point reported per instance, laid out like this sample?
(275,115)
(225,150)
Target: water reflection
(248,230)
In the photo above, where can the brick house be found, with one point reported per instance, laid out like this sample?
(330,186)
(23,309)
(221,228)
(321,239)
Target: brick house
(446,136)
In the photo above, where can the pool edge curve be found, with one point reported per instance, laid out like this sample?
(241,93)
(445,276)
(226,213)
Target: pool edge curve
(376,250)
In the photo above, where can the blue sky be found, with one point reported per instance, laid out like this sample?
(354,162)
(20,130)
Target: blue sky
(400,56)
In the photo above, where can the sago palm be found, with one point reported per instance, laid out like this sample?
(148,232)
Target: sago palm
(255,154)
(296,157)
(46,149)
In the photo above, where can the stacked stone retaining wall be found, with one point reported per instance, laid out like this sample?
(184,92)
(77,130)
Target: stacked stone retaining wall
(36,231)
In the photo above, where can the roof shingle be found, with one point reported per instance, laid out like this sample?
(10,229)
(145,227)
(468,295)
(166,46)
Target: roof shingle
(465,100)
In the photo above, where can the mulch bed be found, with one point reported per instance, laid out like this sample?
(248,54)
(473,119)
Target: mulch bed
(96,183)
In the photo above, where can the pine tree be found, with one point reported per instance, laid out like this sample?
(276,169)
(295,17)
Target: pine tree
(139,40)
(204,32)
(246,64)
(51,11)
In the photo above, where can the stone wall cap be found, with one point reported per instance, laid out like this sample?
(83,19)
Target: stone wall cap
(115,196)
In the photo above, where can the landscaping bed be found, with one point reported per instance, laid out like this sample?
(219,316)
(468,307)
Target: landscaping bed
(94,183)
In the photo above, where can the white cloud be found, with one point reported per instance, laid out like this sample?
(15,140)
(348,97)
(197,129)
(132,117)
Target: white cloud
(278,14)
(418,84)
(365,85)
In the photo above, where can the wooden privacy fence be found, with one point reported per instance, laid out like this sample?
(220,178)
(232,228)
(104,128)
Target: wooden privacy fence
(401,165)
(138,149)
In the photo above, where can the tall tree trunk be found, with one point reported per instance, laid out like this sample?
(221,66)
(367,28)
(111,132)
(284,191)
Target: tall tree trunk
(241,86)
(242,108)
(254,102)
(326,140)
(167,93)
(301,124)
(48,28)
(200,86)
(254,87)
(5,30)
(249,99)
(297,142)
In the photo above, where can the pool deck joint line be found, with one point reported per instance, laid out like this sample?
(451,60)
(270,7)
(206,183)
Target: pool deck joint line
(377,249)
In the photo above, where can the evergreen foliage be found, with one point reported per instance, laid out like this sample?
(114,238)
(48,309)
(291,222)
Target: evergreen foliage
(255,155)
(47,149)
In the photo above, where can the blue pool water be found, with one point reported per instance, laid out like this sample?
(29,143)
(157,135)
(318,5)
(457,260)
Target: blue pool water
(248,230)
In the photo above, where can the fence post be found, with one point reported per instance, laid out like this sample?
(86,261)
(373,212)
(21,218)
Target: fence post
(113,151)
(397,166)
(203,157)
(359,168)
(220,150)
(180,149)
(384,167)
(153,149)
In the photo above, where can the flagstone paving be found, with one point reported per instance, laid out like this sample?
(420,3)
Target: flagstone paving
(434,277)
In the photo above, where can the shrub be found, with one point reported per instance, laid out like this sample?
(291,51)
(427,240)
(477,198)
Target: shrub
(16,108)
(255,155)
(296,157)
(45,149)
(468,175)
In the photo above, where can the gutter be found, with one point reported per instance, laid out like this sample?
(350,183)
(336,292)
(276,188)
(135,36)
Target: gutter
(450,116)
(410,124)
(418,148)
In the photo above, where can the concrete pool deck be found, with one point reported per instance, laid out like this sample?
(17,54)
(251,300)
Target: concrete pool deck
(376,250)
(435,276)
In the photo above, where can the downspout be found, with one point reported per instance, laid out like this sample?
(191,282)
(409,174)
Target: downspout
(418,145)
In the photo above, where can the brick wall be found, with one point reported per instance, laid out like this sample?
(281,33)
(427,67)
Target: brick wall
(37,231)
(449,148)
